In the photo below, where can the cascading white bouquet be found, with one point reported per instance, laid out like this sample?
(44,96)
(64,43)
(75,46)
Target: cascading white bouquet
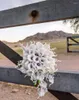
(39,62)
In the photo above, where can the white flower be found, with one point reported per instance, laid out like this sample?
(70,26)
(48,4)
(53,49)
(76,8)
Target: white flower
(39,62)
(42,88)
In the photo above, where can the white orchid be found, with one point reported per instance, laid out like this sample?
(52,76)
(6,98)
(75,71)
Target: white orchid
(39,62)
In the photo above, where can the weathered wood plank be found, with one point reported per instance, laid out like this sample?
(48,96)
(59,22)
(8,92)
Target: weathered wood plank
(74,44)
(67,44)
(63,95)
(64,81)
(76,41)
(45,11)
(73,51)
(12,75)
(9,53)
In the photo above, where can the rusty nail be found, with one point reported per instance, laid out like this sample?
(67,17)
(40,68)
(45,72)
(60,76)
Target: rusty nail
(34,13)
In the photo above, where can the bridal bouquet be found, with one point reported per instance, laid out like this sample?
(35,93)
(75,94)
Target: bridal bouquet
(39,62)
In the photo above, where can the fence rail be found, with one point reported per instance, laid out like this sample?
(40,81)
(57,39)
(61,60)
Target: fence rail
(49,10)
(64,81)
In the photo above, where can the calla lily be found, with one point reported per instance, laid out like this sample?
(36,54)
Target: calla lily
(39,62)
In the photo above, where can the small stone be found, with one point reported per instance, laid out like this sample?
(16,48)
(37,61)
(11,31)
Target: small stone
(14,90)
(27,92)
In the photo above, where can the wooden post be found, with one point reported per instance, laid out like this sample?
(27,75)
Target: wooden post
(67,44)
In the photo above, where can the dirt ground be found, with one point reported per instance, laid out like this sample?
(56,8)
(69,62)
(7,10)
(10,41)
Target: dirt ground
(67,62)
(18,92)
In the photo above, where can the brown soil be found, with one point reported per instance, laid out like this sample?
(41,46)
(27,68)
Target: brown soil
(10,91)
(67,62)
(19,92)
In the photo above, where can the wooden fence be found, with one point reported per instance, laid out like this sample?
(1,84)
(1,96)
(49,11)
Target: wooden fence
(73,42)
(50,10)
